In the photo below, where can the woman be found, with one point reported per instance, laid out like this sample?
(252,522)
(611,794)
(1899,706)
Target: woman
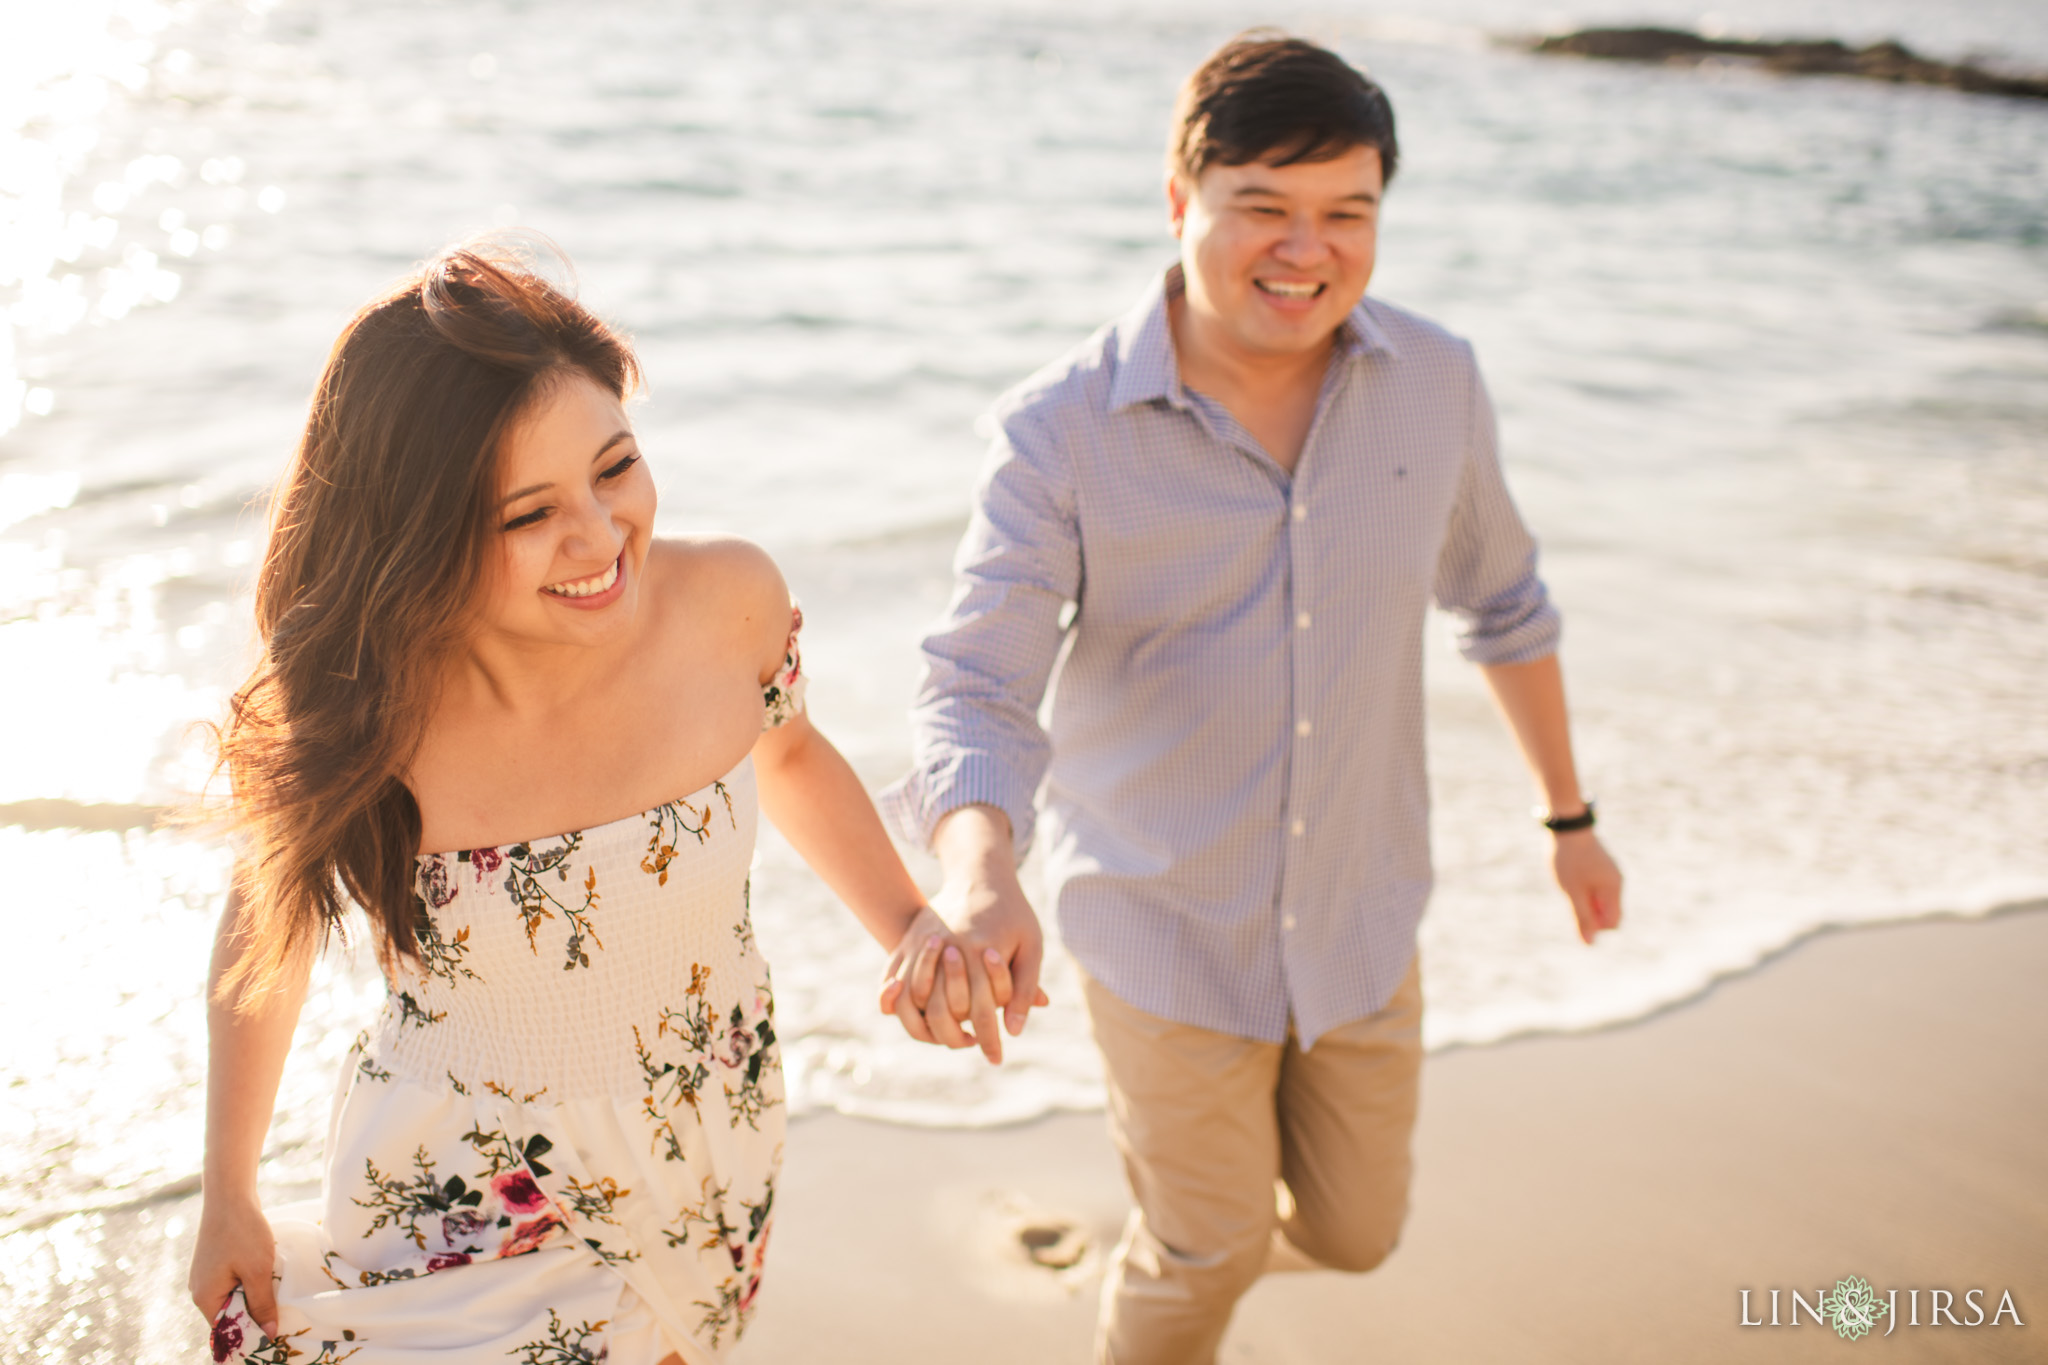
(526,738)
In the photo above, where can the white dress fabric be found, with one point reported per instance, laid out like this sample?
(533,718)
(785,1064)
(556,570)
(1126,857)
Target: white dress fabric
(560,1141)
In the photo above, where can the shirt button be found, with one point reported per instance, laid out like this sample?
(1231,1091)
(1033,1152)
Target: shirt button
(1300,828)
(1300,512)
(1287,923)
(1301,621)
(1301,727)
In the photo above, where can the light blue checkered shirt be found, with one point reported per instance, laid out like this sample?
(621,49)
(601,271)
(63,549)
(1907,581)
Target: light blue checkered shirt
(1235,808)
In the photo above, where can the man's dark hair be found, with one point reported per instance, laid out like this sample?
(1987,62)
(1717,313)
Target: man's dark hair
(1266,97)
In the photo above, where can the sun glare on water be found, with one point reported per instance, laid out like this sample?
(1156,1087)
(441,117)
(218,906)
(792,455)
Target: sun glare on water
(84,235)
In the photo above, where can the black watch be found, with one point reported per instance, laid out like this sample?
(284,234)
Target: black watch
(1568,824)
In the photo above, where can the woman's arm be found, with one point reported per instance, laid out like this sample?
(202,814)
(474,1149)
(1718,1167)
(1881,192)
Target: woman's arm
(245,1059)
(814,797)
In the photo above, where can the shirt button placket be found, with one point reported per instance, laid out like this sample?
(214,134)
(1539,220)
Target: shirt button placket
(1298,646)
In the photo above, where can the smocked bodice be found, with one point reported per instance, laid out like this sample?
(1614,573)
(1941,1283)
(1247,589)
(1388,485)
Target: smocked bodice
(546,965)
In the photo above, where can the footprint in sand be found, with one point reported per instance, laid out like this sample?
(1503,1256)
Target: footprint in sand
(1052,1242)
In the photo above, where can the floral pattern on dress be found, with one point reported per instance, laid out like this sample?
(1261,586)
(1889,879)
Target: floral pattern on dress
(359,1057)
(746,1245)
(747,1050)
(564,1345)
(784,693)
(532,889)
(498,1210)
(671,822)
(410,1011)
(443,957)
(236,1337)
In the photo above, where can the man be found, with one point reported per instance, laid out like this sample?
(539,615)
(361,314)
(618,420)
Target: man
(1249,488)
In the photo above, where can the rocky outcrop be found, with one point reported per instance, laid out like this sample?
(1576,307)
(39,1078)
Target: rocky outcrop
(1879,61)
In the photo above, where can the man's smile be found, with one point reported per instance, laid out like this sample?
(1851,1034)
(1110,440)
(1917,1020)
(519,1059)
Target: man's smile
(1290,289)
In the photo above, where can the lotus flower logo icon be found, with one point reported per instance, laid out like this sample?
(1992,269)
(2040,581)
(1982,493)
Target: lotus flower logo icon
(1852,1307)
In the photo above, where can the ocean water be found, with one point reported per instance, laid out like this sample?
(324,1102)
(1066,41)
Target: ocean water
(1771,360)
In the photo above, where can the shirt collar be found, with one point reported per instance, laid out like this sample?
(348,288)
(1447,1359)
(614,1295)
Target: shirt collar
(1147,368)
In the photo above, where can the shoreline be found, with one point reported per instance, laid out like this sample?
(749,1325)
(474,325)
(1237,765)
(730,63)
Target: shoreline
(169,1190)
(1719,980)
(1860,1104)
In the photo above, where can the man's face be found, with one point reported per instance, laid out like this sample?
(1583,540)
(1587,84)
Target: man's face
(1275,256)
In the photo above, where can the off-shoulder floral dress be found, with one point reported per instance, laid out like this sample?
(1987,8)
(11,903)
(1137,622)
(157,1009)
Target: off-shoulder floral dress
(559,1143)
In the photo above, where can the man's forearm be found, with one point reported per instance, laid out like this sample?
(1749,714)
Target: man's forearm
(1531,698)
(984,903)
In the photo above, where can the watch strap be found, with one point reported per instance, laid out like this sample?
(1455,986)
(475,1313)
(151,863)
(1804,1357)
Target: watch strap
(1567,824)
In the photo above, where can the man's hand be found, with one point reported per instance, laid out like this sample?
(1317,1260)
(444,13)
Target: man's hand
(997,950)
(1002,951)
(1589,878)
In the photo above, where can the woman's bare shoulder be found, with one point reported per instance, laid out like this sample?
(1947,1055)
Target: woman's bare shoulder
(726,587)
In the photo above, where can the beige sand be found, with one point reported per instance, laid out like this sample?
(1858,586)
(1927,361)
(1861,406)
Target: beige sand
(1873,1103)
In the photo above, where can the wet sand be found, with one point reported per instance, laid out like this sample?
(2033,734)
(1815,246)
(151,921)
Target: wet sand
(1873,1102)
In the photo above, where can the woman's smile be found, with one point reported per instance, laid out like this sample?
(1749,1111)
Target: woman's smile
(598,590)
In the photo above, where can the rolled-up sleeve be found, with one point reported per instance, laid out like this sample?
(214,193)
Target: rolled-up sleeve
(1486,572)
(975,736)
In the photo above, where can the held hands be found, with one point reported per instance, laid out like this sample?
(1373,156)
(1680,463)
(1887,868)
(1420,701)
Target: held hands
(940,977)
(1589,878)
(235,1247)
(907,983)
(983,935)
(931,988)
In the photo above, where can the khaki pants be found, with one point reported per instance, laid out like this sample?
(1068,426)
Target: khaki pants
(1207,1123)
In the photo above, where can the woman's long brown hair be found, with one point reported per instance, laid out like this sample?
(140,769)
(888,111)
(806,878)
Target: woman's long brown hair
(380,535)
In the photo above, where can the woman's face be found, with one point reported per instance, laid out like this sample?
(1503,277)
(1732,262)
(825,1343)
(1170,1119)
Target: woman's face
(575,514)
